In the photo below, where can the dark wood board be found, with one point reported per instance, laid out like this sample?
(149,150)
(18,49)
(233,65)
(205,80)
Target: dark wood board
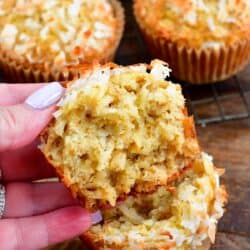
(229,143)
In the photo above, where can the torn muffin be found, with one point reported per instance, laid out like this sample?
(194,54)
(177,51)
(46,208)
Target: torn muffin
(181,216)
(119,131)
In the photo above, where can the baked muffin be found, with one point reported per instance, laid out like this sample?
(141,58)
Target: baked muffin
(120,131)
(40,39)
(203,41)
(182,216)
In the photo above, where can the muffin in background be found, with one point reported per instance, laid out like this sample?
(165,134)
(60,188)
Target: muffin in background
(203,41)
(41,40)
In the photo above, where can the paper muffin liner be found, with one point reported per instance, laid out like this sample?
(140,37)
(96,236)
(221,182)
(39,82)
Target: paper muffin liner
(197,66)
(20,70)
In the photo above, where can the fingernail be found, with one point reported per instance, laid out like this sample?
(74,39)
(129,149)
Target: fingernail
(45,96)
(96,217)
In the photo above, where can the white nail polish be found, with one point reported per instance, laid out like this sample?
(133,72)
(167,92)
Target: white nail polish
(96,217)
(45,96)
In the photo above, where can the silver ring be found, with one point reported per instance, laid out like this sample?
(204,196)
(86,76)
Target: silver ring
(2,197)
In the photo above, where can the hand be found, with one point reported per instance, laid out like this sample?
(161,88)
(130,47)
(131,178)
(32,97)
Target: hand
(36,214)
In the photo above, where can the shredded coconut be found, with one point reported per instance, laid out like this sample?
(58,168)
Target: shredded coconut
(160,71)
(8,35)
(50,25)
(212,45)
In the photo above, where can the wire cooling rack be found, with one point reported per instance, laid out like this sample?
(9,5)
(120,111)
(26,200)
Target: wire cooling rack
(219,102)
(222,101)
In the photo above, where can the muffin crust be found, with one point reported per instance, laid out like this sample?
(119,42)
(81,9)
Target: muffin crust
(57,33)
(196,24)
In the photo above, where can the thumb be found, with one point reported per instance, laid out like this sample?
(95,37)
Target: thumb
(21,124)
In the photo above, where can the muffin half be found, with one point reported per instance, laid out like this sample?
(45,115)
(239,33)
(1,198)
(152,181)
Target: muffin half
(181,216)
(40,39)
(120,131)
(203,41)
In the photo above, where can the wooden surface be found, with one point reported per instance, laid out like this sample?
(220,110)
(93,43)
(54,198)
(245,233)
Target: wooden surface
(229,143)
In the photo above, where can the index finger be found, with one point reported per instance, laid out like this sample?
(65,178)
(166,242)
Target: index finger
(25,164)
(12,94)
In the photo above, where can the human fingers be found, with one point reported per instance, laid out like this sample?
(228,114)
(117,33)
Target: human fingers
(25,164)
(28,199)
(21,124)
(40,231)
(12,94)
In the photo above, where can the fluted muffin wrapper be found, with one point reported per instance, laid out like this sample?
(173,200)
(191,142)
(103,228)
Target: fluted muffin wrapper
(197,66)
(18,69)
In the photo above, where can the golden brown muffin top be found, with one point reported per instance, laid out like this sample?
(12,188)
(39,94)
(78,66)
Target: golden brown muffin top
(58,32)
(197,23)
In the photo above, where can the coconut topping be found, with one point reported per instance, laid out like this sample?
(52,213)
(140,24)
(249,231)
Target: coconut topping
(194,22)
(59,32)
(159,70)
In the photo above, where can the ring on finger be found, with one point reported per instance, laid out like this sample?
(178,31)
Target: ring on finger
(2,196)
